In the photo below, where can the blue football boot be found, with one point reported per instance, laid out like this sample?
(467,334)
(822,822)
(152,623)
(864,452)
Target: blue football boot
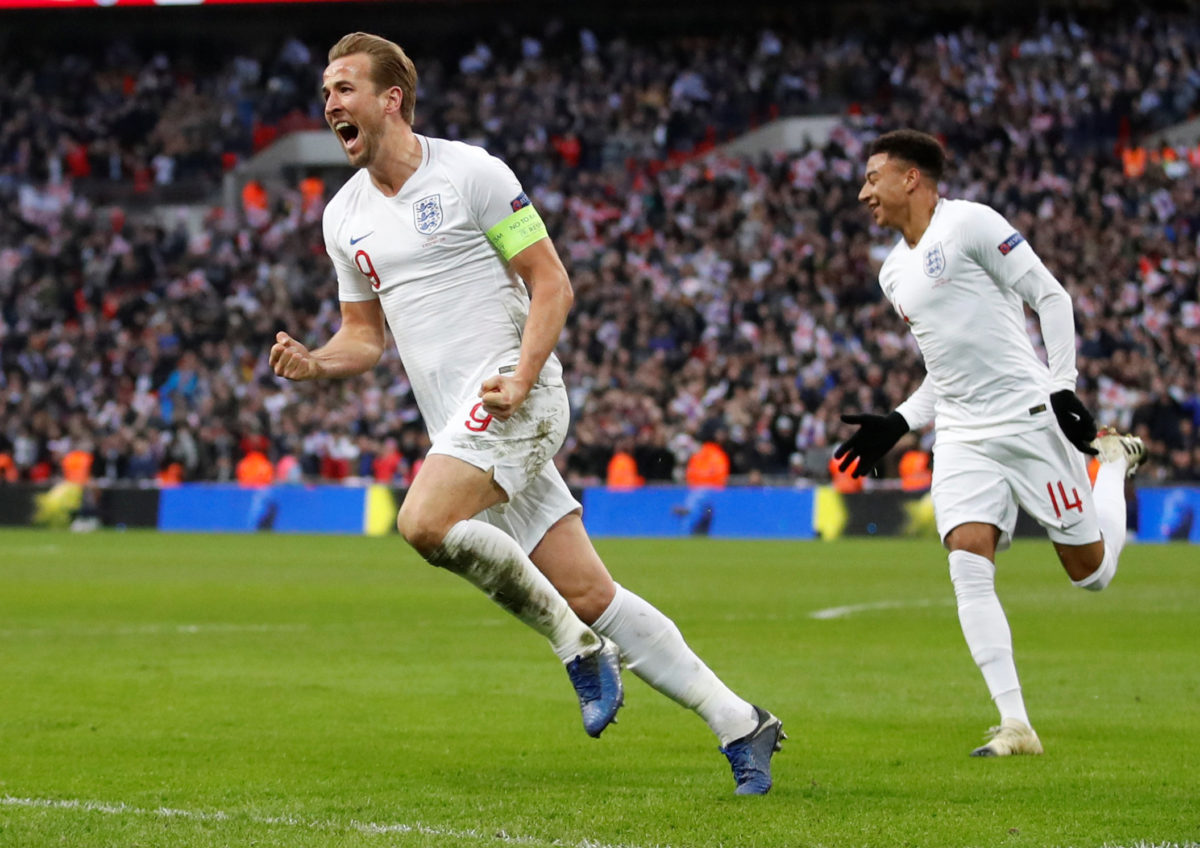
(750,756)
(597,681)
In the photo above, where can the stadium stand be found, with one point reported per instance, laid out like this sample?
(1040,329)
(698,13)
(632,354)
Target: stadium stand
(720,298)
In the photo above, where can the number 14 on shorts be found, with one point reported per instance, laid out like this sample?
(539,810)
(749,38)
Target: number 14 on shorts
(1067,503)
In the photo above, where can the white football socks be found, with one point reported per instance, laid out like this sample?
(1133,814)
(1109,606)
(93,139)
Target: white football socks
(1109,497)
(653,648)
(986,630)
(493,561)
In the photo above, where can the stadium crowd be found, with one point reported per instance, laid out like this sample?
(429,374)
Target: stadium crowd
(719,301)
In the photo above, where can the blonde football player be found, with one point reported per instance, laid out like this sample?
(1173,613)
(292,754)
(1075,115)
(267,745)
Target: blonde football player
(437,238)
(1010,430)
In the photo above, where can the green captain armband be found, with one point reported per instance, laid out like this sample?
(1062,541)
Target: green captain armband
(516,232)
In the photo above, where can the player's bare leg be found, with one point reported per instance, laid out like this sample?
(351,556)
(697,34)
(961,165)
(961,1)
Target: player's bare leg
(654,649)
(985,628)
(568,559)
(436,519)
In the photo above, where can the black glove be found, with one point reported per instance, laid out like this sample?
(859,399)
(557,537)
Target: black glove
(876,435)
(1074,419)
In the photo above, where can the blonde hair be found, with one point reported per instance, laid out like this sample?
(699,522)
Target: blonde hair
(390,66)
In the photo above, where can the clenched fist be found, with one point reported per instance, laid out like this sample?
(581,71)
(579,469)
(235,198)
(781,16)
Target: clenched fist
(502,396)
(292,360)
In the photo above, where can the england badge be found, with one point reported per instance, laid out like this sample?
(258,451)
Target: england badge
(934,261)
(427,214)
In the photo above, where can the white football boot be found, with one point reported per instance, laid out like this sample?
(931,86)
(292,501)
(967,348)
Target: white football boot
(1011,737)
(1114,446)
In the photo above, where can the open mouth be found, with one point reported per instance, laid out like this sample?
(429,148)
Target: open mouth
(347,132)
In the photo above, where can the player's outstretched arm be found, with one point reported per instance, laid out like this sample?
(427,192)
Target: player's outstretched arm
(876,435)
(353,349)
(550,299)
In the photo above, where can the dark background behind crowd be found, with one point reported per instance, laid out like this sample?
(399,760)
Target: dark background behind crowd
(722,300)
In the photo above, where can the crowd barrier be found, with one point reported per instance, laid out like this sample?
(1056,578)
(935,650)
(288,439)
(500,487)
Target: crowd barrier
(750,513)
(1158,514)
(1169,514)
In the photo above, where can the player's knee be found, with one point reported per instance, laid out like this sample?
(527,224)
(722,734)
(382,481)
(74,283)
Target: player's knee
(590,601)
(974,539)
(419,530)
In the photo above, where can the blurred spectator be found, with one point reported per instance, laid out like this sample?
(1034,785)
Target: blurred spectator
(8,468)
(389,465)
(622,472)
(914,468)
(77,465)
(143,463)
(287,469)
(254,469)
(845,481)
(708,467)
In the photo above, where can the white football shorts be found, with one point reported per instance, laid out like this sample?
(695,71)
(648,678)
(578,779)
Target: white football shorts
(1039,470)
(520,452)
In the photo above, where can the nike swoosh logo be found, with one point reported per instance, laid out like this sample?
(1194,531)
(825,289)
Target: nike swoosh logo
(355,241)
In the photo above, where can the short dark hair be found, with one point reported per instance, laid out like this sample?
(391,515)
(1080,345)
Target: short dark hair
(921,149)
(390,66)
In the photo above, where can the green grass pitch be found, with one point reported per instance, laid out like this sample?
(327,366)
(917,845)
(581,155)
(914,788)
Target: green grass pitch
(192,690)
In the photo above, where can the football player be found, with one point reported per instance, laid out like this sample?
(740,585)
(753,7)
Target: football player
(1010,430)
(438,239)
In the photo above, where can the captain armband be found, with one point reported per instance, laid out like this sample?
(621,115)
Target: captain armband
(516,232)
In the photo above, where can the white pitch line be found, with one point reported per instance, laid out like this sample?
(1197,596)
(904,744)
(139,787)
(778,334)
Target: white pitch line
(451,835)
(33,549)
(854,609)
(155,630)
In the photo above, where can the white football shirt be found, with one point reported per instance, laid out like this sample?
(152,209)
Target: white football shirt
(955,290)
(454,307)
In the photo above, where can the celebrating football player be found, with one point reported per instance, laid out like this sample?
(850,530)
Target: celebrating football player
(437,238)
(1010,431)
